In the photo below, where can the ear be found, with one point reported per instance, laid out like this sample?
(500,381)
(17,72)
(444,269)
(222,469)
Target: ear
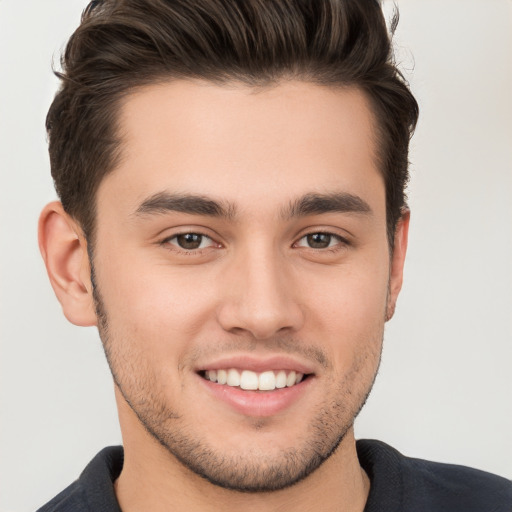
(64,251)
(397,262)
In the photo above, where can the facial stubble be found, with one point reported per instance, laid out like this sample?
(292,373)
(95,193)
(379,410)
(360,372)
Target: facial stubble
(248,471)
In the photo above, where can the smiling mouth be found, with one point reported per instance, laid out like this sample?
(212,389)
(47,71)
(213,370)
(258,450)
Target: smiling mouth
(254,381)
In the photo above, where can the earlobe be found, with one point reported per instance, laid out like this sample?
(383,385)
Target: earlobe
(397,262)
(64,251)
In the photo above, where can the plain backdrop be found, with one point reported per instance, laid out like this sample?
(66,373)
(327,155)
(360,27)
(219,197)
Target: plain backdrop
(445,384)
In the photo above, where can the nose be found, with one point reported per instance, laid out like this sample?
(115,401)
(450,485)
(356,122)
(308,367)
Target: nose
(260,296)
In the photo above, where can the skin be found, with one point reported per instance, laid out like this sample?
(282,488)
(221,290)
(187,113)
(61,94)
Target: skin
(255,288)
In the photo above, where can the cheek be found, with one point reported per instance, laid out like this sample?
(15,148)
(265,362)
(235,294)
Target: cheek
(350,308)
(158,307)
(353,293)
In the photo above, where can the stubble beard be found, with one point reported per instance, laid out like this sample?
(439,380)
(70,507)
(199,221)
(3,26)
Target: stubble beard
(247,472)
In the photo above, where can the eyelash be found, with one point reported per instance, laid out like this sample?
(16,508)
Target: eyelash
(341,243)
(180,250)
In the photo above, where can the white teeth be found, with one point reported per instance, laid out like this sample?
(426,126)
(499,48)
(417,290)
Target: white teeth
(267,381)
(233,378)
(281,379)
(249,380)
(222,376)
(290,380)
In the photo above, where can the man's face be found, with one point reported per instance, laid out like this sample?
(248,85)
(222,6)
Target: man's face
(243,237)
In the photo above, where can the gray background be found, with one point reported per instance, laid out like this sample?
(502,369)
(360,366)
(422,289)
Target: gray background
(444,390)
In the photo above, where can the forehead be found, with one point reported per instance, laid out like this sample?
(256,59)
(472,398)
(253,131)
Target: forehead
(243,144)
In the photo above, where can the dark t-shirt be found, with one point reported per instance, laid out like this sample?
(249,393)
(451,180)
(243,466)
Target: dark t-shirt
(398,484)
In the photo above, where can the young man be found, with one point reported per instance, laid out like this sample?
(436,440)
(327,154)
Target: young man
(232,218)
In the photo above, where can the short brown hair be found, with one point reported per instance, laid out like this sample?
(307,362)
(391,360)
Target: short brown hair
(124,44)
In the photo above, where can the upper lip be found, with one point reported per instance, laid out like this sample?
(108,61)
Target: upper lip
(258,364)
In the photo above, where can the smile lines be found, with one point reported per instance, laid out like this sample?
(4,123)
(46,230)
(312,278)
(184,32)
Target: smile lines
(249,380)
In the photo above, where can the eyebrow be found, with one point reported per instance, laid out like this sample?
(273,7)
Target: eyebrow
(308,204)
(164,202)
(314,204)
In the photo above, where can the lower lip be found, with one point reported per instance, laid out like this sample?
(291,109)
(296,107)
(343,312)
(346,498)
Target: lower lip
(258,403)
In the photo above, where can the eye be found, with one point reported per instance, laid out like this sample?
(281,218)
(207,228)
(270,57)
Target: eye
(319,241)
(190,241)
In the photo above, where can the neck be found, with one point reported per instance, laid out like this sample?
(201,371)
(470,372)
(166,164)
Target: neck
(153,480)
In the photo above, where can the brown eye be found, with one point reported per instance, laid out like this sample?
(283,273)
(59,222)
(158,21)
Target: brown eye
(190,241)
(319,240)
